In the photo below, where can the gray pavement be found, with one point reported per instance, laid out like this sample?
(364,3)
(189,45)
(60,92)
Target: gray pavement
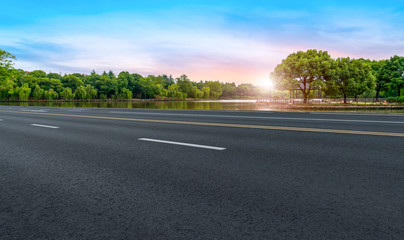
(68,173)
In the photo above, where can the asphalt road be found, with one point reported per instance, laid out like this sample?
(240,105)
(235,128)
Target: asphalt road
(69,173)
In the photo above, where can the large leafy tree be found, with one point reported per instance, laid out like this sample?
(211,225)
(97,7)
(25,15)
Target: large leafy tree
(363,79)
(91,92)
(304,71)
(23,92)
(80,93)
(38,93)
(215,89)
(349,77)
(67,94)
(185,85)
(393,72)
(229,89)
(381,81)
(38,73)
(7,74)
(54,76)
(72,81)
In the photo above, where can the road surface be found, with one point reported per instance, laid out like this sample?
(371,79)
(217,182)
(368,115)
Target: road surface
(81,173)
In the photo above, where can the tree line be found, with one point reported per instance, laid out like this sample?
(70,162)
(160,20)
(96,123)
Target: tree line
(342,77)
(17,84)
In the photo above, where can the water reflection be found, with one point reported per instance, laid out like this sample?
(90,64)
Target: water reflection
(245,105)
(197,105)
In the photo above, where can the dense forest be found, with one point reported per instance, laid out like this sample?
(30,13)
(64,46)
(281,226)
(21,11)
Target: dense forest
(17,84)
(303,72)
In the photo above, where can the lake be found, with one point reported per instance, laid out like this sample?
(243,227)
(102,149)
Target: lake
(235,105)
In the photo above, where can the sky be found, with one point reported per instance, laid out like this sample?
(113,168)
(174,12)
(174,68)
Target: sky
(230,41)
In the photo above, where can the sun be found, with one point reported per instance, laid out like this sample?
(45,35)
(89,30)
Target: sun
(266,84)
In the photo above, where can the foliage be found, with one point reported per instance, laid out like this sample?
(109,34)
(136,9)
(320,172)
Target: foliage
(393,73)
(215,89)
(67,94)
(23,92)
(350,77)
(229,89)
(71,81)
(51,94)
(126,94)
(80,93)
(38,92)
(304,71)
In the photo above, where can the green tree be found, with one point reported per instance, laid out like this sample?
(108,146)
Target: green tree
(71,81)
(168,80)
(6,59)
(123,80)
(47,84)
(31,80)
(91,79)
(51,94)
(174,92)
(304,71)
(23,92)
(7,74)
(38,93)
(349,77)
(382,81)
(67,94)
(126,94)
(363,80)
(134,83)
(206,92)
(185,85)
(38,74)
(106,85)
(393,70)
(80,93)
(245,89)
(196,93)
(229,89)
(54,76)
(215,89)
(91,92)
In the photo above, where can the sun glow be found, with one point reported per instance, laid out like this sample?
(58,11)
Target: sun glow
(266,84)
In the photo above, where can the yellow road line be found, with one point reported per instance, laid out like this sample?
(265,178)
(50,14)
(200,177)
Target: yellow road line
(300,129)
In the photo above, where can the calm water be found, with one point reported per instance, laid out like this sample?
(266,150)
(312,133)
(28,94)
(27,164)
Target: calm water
(251,105)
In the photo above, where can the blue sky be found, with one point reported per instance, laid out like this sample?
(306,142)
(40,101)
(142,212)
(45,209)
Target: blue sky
(240,41)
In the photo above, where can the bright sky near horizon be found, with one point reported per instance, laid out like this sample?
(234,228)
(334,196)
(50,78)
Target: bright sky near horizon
(230,41)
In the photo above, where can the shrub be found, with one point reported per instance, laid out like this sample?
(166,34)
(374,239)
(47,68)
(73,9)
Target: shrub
(392,99)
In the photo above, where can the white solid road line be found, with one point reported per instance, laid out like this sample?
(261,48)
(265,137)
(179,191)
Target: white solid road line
(273,118)
(182,144)
(44,126)
(28,110)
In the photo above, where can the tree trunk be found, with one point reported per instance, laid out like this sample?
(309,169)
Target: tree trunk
(305,96)
(377,93)
(344,98)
